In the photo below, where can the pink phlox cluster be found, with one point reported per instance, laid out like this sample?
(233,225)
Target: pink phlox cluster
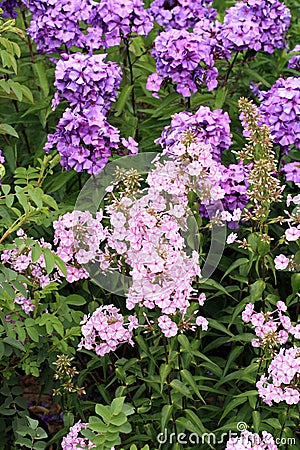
(105,329)
(73,441)
(21,262)
(252,441)
(25,303)
(271,328)
(282,381)
(78,237)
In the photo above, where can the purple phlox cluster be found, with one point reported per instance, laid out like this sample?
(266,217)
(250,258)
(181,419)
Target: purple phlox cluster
(271,328)
(280,110)
(21,262)
(256,25)
(281,384)
(57,22)
(184,58)
(87,80)
(209,126)
(294,61)
(84,140)
(78,237)
(105,330)
(73,441)
(252,441)
(54,23)
(234,182)
(292,172)
(211,32)
(181,14)
(8,7)
(117,19)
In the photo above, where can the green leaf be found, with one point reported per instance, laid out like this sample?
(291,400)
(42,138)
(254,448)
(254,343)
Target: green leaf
(40,72)
(118,420)
(104,412)
(256,290)
(239,262)
(188,378)
(76,300)
(122,99)
(49,260)
(220,98)
(117,405)
(33,334)
(36,252)
(8,129)
(14,343)
(5,188)
(166,414)
(61,265)
(231,406)
(180,387)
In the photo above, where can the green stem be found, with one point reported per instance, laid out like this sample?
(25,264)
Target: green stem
(169,386)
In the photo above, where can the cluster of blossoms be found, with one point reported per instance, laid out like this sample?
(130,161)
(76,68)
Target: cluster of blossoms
(211,32)
(181,14)
(184,58)
(146,234)
(35,272)
(57,22)
(105,329)
(84,140)
(8,7)
(294,62)
(73,440)
(117,19)
(252,441)
(280,110)
(284,369)
(281,384)
(256,24)
(235,183)
(21,262)
(292,172)
(87,80)
(210,127)
(292,234)
(270,331)
(78,236)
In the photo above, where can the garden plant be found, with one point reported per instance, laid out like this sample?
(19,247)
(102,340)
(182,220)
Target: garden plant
(149,224)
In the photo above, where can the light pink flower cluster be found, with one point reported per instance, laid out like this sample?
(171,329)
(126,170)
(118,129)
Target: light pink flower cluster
(252,441)
(78,236)
(73,441)
(21,262)
(105,329)
(292,234)
(25,303)
(270,331)
(282,383)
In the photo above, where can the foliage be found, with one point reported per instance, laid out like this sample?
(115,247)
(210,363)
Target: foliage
(184,380)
